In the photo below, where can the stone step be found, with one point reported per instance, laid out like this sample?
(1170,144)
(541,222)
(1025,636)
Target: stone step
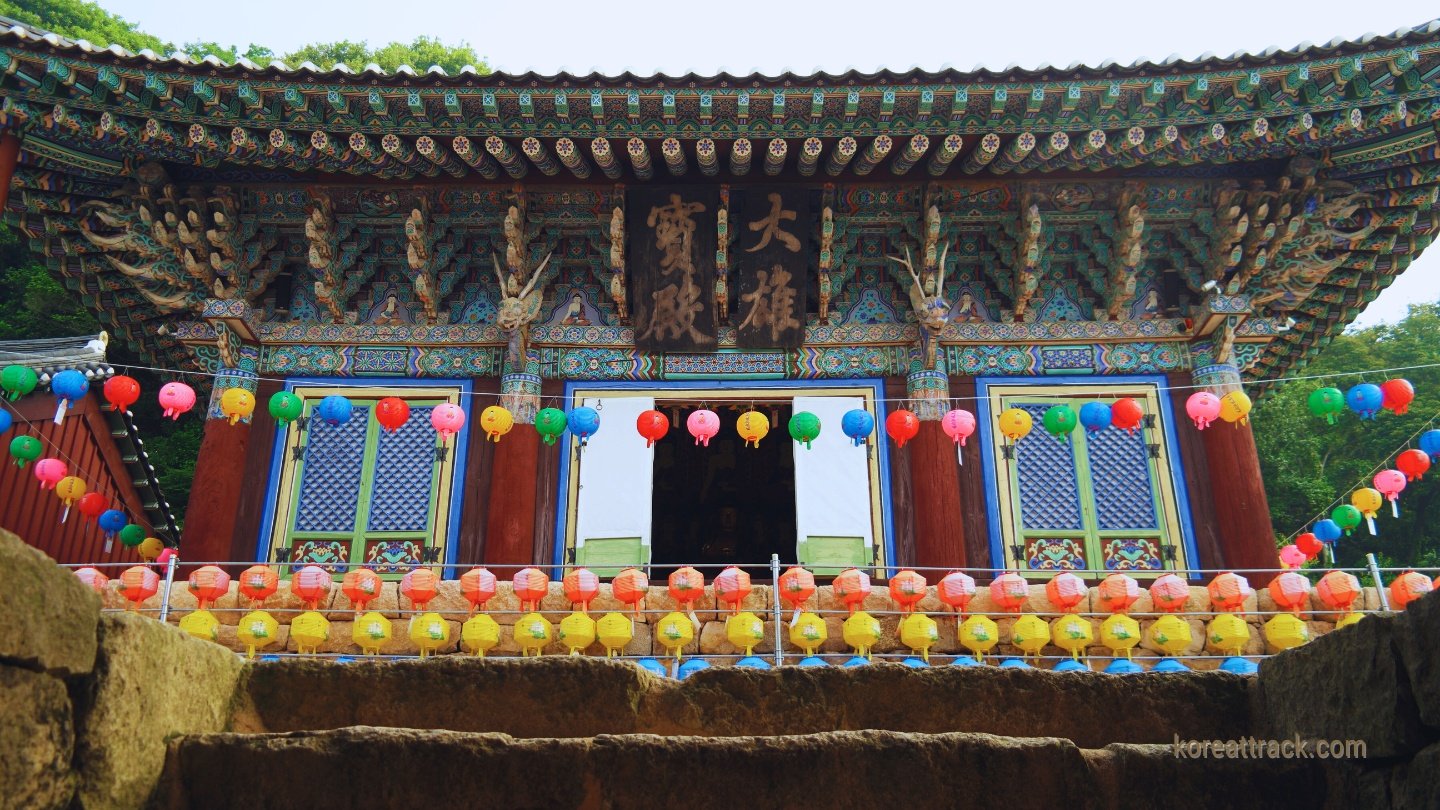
(364,767)
(566,696)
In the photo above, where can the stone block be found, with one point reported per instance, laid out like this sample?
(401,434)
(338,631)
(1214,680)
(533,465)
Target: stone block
(877,602)
(49,614)
(1417,636)
(1413,783)
(37,739)
(659,603)
(714,642)
(387,603)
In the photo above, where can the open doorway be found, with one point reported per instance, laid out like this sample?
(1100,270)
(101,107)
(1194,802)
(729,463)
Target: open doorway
(725,503)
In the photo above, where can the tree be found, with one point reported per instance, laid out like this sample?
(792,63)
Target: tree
(421,54)
(79,19)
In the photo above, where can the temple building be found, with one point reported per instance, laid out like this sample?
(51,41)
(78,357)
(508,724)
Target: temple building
(825,243)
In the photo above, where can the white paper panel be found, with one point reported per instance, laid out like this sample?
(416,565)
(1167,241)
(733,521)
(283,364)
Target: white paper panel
(832,478)
(617,473)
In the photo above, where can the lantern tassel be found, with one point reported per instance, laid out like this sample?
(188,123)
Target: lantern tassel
(1395,507)
(60,411)
(64,516)
(1370,521)
(960,453)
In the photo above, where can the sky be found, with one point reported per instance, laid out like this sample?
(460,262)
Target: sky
(738,35)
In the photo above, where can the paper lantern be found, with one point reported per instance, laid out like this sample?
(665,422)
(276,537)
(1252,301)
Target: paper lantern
(550,423)
(1171,634)
(583,422)
(1286,632)
(50,471)
(1126,414)
(207,584)
(69,490)
(176,398)
(1169,593)
(132,535)
(1009,591)
(861,631)
(478,587)
(1368,501)
(1015,424)
(1327,403)
(1391,483)
(370,632)
(1396,395)
(1228,634)
(804,427)
(1430,444)
(17,381)
(691,667)
(1095,416)
(752,427)
(808,632)
(796,586)
(479,634)
(919,632)
(1030,633)
(1060,421)
(1235,408)
(361,586)
(5,420)
(615,630)
(1309,544)
(392,413)
(577,631)
(653,667)
(310,584)
(121,392)
(652,426)
(1203,407)
(285,407)
(1229,591)
(258,583)
(1065,592)
(68,386)
(1327,530)
(335,410)
(674,631)
(150,548)
(448,420)
(1347,517)
(137,584)
(532,633)
(1291,556)
(1117,593)
(745,631)
(858,424)
(686,585)
(166,555)
(25,449)
(1338,590)
(1290,591)
(1365,399)
(95,580)
(111,521)
(956,589)
(1408,587)
(731,587)
(531,585)
(581,586)
(959,425)
(309,630)
(902,425)
(420,586)
(1348,619)
(257,630)
(979,635)
(200,624)
(703,424)
(1414,463)
(496,421)
(630,587)
(237,404)
(1072,634)
(907,588)
(851,587)
(1119,633)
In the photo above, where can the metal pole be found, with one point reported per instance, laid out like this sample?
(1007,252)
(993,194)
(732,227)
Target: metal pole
(169,583)
(1379,583)
(775,608)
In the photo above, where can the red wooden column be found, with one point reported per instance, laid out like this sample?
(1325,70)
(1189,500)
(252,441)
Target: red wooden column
(935,480)
(9,157)
(1242,513)
(510,519)
(215,493)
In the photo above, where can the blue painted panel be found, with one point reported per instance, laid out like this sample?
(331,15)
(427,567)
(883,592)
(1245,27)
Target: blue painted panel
(404,475)
(1120,472)
(330,483)
(1045,467)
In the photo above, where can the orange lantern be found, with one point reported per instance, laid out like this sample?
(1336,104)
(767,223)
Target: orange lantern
(686,585)
(420,586)
(93,578)
(1169,593)
(310,584)
(208,583)
(851,586)
(531,585)
(1338,590)
(258,583)
(731,587)
(1290,591)
(360,586)
(581,585)
(478,587)
(137,584)
(1408,587)
(797,586)
(1009,591)
(1117,593)
(630,587)
(1229,591)
(1065,591)
(956,589)
(907,588)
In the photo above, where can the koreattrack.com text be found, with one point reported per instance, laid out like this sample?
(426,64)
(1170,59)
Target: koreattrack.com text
(1254,748)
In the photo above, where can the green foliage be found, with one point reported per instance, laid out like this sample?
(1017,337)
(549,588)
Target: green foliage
(79,19)
(1308,463)
(38,306)
(420,55)
(259,54)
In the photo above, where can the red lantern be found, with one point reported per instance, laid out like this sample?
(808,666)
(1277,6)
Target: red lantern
(1117,593)
(1126,414)
(137,584)
(1290,591)
(1413,463)
(653,425)
(478,587)
(1009,591)
(902,425)
(686,585)
(310,584)
(1396,395)
(797,586)
(851,586)
(731,587)
(92,578)
(531,585)
(1309,545)
(92,505)
(1065,591)
(258,583)
(630,586)
(956,589)
(1169,593)
(121,392)
(1228,592)
(360,586)
(906,589)
(580,586)
(1408,587)
(420,586)
(1338,590)
(392,413)
(208,583)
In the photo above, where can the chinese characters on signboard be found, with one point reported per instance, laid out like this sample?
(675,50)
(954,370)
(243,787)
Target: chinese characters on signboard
(771,255)
(671,245)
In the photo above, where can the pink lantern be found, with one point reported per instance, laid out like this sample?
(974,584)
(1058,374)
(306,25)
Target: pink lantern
(92,578)
(1338,590)
(703,425)
(731,587)
(1169,593)
(1228,591)
(956,589)
(447,420)
(176,398)
(50,471)
(1009,591)
(1292,557)
(137,584)
(959,425)
(162,560)
(1065,591)
(1117,593)
(310,584)
(1391,483)
(1203,407)
(1290,591)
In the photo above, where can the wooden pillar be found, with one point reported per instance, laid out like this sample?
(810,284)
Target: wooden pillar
(9,157)
(935,482)
(971,475)
(902,491)
(475,500)
(251,505)
(547,481)
(510,523)
(1193,460)
(215,493)
(1242,513)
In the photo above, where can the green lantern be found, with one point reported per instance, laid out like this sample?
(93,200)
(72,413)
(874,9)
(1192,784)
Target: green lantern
(1327,402)
(1060,420)
(132,535)
(25,449)
(286,407)
(18,381)
(550,423)
(804,427)
(1347,516)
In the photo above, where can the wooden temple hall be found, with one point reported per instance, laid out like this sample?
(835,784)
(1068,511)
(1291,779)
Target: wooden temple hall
(784,244)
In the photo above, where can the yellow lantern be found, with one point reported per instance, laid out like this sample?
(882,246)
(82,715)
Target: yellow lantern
(675,631)
(861,631)
(479,634)
(532,633)
(237,403)
(1072,634)
(1235,407)
(1228,633)
(1030,634)
(69,490)
(979,635)
(615,631)
(201,624)
(1286,631)
(1368,501)
(1120,634)
(496,422)
(919,632)
(577,631)
(257,630)
(1348,619)
(310,630)
(370,632)
(745,630)
(430,632)
(1171,634)
(808,632)
(1015,424)
(752,427)
(150,548)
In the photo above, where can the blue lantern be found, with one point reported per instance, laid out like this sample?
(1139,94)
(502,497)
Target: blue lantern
(1095,416)
(692,666)
(68,386)
(1121,666)
(111,521)
(653,666)
(915,663)
(1014,663)
(583,422)
(858,425)
(813,661)
(1327,531)
(752,662)
(1169,665)
(5,420)
(1239,666)
(1070,665)
(965,661)
(1365,399)
(1430,444)
(857,661)
(334,410)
